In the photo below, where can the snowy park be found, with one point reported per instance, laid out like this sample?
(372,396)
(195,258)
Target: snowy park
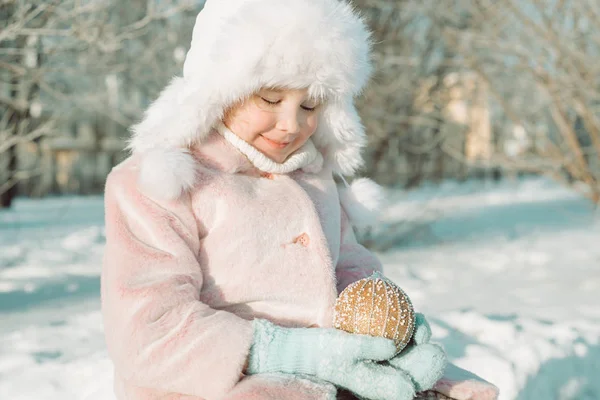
(479,119)
(507,272)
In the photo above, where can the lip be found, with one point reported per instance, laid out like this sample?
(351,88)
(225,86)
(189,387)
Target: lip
(273,143)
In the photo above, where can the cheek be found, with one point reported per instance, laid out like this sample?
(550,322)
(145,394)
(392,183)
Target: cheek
(259,121)
(312,122)
(251,123)
(263,120)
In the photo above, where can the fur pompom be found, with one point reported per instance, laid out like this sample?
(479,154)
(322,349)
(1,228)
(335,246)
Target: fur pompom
(167,173)
(362,201)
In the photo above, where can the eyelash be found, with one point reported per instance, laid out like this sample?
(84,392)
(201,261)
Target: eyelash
(270,102)
(309,109)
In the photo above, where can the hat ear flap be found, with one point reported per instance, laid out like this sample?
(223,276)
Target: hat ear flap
(179,117)
(362,201)
(342,134)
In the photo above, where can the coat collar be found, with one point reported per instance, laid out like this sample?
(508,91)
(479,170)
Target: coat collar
(169,173)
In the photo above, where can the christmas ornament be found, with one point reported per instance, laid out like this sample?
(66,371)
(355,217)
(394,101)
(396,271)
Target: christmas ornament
(376,306)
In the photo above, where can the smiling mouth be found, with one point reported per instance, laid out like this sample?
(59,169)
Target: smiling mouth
(278,145)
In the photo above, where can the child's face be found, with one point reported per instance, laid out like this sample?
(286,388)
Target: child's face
(275,121)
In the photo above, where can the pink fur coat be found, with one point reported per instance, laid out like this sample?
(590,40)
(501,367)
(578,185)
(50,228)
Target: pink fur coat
(182,279)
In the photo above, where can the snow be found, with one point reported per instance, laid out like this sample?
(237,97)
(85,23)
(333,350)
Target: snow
(508,274)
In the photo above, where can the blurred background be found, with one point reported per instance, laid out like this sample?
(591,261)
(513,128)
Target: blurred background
(484,126)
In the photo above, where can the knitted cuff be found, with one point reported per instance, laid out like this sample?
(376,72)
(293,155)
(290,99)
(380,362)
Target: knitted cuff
(278,349)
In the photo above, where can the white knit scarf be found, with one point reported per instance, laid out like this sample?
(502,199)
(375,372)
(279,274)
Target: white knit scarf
(306,157)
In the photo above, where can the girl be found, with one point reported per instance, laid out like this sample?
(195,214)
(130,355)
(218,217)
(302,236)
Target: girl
(227,238)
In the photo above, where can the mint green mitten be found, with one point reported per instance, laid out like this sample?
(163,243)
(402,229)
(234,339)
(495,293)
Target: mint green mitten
(422,361)
(349,361)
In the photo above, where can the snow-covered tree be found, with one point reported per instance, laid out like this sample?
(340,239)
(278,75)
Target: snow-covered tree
(539,60)
(90,63)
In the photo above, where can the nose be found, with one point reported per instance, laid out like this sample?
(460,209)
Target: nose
(288,122)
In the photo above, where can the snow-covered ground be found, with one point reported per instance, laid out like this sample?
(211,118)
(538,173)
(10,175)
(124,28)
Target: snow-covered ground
(509,275)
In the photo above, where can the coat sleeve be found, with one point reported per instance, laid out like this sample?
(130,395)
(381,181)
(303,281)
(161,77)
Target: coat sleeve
(355,261)
(159,335)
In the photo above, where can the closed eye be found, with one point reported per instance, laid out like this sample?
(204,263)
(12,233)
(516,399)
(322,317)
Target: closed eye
(273,103)
(270,102)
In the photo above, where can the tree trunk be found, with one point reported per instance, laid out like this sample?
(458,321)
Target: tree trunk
(7,196)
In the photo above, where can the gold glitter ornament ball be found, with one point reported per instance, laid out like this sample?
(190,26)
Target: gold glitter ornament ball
(376,306)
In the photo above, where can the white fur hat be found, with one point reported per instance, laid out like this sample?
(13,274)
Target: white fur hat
(241,46)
